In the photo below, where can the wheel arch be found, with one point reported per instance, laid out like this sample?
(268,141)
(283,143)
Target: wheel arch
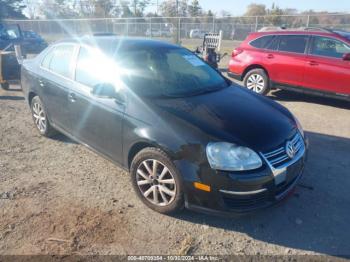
(138,146)
(254,66)
(31,95)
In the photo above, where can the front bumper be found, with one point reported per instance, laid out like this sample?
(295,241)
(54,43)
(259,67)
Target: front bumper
(237,193)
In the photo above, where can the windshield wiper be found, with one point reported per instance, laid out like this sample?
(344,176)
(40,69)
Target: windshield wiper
(195,92)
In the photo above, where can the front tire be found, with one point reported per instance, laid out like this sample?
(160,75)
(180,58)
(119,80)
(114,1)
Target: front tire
(40,118)
(257,81)
(156,181)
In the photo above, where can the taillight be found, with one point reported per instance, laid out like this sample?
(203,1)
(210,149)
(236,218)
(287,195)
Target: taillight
(236,52)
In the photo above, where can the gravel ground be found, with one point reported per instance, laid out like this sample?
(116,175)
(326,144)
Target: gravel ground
(57,197)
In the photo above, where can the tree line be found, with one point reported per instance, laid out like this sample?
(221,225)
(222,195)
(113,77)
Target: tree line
(49,9)
(53,9)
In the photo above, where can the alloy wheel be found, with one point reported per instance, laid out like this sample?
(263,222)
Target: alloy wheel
(39,117)
(256,83)
(156,182)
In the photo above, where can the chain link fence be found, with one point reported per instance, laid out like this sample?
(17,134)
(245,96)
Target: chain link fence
(184,30)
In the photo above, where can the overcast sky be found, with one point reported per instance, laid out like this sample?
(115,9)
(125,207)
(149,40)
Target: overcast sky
(238,7)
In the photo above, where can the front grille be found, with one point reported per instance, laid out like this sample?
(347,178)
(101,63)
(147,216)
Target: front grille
(246,202)
(278,158)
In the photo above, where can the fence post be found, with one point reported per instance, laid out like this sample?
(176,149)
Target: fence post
(256,23)
(127,26)
(39,28)
(178,38)
(213,24)
(150,26)
(308,21)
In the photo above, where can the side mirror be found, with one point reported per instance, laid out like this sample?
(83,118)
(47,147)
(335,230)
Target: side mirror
(106,90)
(346,57)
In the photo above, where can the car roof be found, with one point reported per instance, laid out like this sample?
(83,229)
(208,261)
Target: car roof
(294,32)
(320,32)
(120,42)
(299,32)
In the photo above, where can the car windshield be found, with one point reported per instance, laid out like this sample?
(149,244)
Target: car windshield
(168,72)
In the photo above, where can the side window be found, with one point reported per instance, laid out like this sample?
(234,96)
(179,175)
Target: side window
(88,69)
(262,42)
(293,43)
(273,45)
(83,72)
(47,59)
(325,46)
(61,60)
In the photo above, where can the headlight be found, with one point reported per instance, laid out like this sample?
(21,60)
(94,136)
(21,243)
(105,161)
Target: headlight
(300,128)
(231,157)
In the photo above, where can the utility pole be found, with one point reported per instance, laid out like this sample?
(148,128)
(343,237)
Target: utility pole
(178,24)
(135,3)
(177,8)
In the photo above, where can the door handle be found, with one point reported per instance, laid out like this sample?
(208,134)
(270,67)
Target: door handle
(72,97)
(313,63)
(270,56)
(41,83)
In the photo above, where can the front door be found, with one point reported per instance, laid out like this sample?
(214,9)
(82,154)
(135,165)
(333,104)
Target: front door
(97,121)
(325,69)
(287,65)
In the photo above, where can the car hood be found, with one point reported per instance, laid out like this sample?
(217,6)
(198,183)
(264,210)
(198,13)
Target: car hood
(234,115)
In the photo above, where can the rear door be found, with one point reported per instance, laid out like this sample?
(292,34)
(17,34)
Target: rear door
(325,68)
(56,81)
(286,65)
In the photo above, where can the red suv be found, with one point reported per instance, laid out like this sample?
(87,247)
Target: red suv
(316,61)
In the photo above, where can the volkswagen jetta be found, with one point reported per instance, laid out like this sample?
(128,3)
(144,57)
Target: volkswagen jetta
(186,134)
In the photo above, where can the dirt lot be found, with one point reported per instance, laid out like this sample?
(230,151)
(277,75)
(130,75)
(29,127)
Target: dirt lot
(57,197)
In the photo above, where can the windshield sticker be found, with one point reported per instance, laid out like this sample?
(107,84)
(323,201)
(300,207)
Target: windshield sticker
(194,60)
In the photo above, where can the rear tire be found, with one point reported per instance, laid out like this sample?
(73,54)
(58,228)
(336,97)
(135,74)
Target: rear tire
(5,86)
(40,118)
(156,181)
(257,81)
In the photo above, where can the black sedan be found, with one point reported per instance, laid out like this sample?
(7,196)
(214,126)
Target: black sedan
(32,43)
(187,135)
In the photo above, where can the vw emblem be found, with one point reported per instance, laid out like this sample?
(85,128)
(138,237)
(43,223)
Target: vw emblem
(290,149)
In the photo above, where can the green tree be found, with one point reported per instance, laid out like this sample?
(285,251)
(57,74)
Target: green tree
(125,9)
(194,9)
(11,9)
(274,15)
(52,9)
(96,8)
(139,6)
(210,13)
(255,10)
(171,8)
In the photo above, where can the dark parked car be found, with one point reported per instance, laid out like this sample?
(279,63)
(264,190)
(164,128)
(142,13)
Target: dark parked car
(187,136)
(315,61)
(10,35)
(32,42)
